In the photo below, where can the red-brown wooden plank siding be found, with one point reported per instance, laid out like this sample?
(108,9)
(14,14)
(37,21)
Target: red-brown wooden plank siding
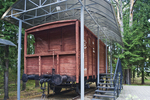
(25,52)
(32,65)
(77,51)
(57,45)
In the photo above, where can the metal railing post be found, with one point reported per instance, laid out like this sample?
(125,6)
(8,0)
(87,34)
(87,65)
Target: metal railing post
(106,56)
(19,60)
(82,51)
(98,57)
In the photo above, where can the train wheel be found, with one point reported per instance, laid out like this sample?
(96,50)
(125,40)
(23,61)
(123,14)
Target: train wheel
(78,89)
(55,89)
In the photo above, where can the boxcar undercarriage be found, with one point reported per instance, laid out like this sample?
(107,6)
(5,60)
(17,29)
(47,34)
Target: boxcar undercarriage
(57,82)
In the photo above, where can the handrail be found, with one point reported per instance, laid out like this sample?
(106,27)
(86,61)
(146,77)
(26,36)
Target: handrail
(117,78)
(116,69)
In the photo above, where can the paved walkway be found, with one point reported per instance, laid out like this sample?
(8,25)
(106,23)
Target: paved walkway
(130,92)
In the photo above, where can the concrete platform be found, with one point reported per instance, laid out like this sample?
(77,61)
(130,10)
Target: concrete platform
(129,92)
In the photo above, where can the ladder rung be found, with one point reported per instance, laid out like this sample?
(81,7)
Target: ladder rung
(107,96)
(105,87)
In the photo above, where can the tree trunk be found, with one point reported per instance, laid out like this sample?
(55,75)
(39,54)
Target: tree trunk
(137,70)
(127,76)
(120,16)
(130,76)
(124,76)
(36,83)
(142,74)
(6,73)
(133,75)
(131,13)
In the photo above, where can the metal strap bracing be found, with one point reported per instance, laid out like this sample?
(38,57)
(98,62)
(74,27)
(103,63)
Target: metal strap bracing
(4,42)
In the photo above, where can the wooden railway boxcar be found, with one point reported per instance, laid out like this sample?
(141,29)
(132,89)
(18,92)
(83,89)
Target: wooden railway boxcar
(57,51)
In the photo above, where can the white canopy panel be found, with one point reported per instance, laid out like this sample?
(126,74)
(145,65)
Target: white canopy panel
(6,42)
(97,13)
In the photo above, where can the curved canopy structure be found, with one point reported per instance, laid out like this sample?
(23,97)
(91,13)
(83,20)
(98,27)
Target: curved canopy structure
(97,13)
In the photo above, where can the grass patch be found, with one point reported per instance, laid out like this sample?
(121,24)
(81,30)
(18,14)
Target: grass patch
(30,91)
(137,81)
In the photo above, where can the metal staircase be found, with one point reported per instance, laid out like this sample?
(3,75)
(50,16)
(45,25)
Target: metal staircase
(110,85)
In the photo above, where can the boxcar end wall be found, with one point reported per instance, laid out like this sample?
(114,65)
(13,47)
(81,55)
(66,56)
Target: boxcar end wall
(56,45)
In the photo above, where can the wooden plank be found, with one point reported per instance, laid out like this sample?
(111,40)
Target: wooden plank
(96,42)
(40,66)
(50,54)
(87,55)
(25,52)
(50,25)
(47,64)
(67,65)
(58,67)
(77,51)
(92,58)
(95,57)
(55,39)
(67,59)
(85,52)
(48,41)
(90,70)
(32,63)
(42,44)
(62,41)
(69,43)
(67,69)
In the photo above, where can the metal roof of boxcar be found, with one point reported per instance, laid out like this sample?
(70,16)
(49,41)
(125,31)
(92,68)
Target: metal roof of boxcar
(36,12)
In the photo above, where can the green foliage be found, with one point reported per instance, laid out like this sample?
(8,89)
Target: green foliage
(136,44)
(9,32)
(30,44)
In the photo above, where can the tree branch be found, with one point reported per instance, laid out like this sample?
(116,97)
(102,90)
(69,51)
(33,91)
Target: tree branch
(133,6)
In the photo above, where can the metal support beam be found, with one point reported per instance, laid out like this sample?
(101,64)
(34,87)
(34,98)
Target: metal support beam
(111,69)
(94,19)
(19,60)
(98,50)
(82,51)
(106,56)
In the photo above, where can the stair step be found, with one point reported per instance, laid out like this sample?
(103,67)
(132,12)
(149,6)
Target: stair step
(105,83)
(101,91)
(106,80)
(106,96)
(97,99)
(105,87)
(107,74)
